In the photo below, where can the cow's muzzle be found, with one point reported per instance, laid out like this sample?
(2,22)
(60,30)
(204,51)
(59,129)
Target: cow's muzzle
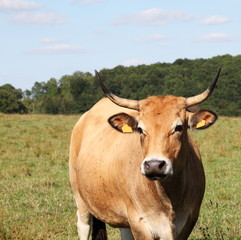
(156,169)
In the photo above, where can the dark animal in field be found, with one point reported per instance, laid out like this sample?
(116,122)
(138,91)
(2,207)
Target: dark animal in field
(134,166)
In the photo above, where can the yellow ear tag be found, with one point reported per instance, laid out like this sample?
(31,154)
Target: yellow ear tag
(201,124)
(126,129)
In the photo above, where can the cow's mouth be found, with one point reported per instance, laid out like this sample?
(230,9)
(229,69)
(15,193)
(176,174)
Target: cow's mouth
(161,177)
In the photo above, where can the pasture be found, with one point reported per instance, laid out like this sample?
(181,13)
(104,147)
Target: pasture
(35,196)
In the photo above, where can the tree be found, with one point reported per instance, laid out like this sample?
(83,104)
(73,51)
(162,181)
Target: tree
(10,100)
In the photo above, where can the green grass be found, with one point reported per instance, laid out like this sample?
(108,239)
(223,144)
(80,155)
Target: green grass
(35,197)
(220,146)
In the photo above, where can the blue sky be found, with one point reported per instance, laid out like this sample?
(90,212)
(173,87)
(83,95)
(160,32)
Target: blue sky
(41,39)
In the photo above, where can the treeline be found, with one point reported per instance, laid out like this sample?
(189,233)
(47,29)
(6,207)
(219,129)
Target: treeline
(78,92)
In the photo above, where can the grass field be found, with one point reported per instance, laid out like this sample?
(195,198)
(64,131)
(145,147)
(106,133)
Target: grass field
(35,197)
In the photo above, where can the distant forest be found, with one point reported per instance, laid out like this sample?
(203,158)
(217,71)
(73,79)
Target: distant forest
(74,94)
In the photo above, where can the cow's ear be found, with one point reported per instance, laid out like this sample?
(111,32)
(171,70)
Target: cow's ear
(123,122)
(202,119)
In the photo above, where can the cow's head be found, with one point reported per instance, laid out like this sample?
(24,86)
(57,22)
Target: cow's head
(162,122)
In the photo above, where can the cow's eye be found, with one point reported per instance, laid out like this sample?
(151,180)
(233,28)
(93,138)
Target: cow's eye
(139,130)
(179,128)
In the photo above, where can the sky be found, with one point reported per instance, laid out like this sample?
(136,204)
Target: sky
(44,39)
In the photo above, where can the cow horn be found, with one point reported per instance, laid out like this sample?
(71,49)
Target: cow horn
(191,101)
(123,102)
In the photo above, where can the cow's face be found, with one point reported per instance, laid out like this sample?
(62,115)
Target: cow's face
(162,124)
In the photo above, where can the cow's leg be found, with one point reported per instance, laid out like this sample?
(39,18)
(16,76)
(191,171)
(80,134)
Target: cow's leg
(98,229)
(126,234)
(84,219)
(83,215)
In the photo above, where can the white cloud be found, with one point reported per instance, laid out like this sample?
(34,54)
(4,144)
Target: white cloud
(49,40)
(216,37)
(19,5)
(154,16)
(39,18)
(213,20)
(133,61)
(59,49)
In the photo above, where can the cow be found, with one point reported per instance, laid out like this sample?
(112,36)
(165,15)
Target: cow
(133,165)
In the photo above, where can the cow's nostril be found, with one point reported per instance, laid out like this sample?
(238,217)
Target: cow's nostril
(162,164)
(147,166)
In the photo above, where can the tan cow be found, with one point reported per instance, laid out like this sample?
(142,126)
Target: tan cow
(133,165)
